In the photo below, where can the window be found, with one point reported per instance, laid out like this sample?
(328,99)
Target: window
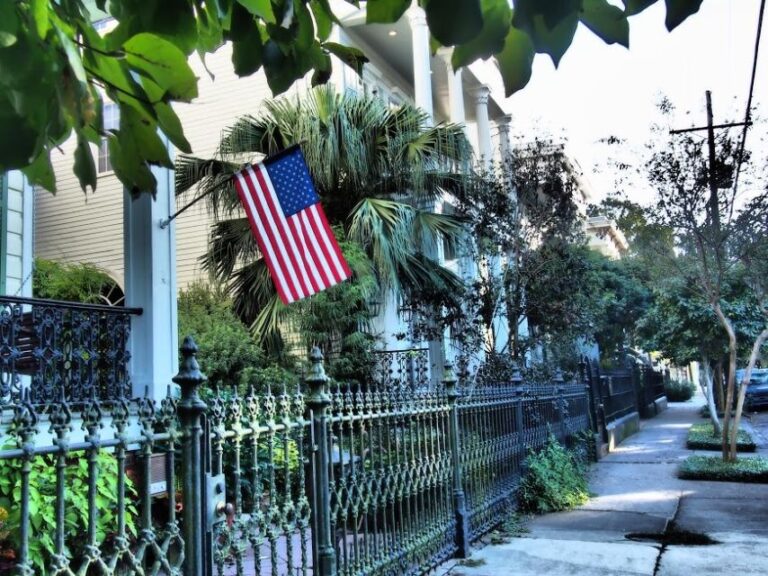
(111,122)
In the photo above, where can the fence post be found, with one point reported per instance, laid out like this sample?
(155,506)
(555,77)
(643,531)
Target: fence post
(191,409)
(318,403)
(459,498)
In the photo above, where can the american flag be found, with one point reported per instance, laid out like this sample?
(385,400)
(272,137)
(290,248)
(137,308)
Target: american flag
(290,226)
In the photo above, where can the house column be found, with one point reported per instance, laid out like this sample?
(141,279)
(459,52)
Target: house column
(422,77)
(485,150)
(503,126)
(455,88)
(150,284)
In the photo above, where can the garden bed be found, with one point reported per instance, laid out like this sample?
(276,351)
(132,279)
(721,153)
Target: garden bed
(751,469)
(701,437)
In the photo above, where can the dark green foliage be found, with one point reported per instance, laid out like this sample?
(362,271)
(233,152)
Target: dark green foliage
(72,282)
(751,469)
(227,353)
(679,390)
(702,437)
(42,500)
(556,480)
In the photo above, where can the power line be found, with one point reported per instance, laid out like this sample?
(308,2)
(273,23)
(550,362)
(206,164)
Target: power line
(749,98)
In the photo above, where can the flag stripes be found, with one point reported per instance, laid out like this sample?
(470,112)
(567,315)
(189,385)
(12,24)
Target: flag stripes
(301,253)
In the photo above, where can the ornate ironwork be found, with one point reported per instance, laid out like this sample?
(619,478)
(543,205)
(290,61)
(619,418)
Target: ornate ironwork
(78,348)
(402,369)
(345,480)
(91,512)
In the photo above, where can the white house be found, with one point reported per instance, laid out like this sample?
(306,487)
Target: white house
(124,236)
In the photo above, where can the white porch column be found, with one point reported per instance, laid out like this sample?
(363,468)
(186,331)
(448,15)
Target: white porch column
(150,283)
(503,126)
(485,150)
(455,88)
(422,77)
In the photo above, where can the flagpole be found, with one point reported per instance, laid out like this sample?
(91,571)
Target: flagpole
(165,222)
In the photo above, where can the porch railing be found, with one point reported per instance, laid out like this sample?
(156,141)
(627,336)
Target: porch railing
(48,347)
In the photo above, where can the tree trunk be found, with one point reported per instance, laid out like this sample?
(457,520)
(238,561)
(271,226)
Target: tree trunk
(743,388)
(709,384)
(728,456)
(719,384)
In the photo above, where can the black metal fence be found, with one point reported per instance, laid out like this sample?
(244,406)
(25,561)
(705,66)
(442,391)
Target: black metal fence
(80,349)
(619,392)
(327,480)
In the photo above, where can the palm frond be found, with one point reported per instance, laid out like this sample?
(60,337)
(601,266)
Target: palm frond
(383,228)
(423,274)
(196,178)
(430,227)
(231,243)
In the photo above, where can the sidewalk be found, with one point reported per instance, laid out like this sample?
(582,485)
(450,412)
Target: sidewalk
(636,491)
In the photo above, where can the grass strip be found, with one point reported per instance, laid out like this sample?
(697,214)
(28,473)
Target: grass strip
(752,469)
(702,437)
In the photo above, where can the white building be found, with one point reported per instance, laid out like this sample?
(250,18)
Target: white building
(123,236)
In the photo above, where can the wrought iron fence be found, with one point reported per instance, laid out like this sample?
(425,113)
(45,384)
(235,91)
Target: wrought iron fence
(74,504)
(330,480)
(78,348)
(402,369)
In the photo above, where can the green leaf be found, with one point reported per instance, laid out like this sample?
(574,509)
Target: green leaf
(16,152)
(607,21)
(281,70)
(132,172)
(9,24)
(85,168)
(497,18)
(352,57)
(41,17)
(550,12)
(164,63)
(385,11)
(40,172)
(304,26)
(454,21)
(209,30)
(323,69)
(73,56)
(679,10)
(553,41)
(246,54)
(323,19)
(516,60)
(261,8)
(143,132)
(632,7)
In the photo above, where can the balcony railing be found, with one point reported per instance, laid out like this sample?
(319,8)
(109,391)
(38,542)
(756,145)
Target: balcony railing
(406,370)
(49,347)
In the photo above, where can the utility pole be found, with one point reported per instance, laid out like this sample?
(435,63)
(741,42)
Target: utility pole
(714,206)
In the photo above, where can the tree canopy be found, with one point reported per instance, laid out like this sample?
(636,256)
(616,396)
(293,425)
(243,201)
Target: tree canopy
(56,67)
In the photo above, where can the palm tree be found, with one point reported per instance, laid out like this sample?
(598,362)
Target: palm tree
(379,172)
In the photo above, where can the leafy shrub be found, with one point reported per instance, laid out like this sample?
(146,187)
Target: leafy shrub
(703,437)
(752,469)
(71,282)
(556,480)
(42,502)
(679,390)
(227,353)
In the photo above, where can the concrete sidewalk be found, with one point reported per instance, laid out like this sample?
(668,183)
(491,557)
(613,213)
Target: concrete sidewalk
(636,491)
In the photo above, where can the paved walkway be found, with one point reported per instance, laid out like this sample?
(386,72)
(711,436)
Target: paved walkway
(636,490)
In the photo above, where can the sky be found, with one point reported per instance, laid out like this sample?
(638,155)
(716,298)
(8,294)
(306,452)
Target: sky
(600,90)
